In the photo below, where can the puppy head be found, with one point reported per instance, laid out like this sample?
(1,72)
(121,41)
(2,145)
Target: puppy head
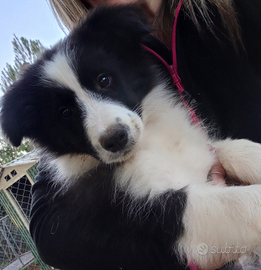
(81,96)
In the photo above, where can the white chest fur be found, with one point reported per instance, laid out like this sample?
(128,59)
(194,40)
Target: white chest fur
(171,154)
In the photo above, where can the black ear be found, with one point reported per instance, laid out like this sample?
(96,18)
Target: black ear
(9,123)
(111,22)
(15,120)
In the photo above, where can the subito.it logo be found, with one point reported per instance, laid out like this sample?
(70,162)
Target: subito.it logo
(202,249)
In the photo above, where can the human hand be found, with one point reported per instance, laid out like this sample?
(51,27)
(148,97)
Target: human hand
(217,174)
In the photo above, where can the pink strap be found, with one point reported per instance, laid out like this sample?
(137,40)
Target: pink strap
(170,68)
(192,266)
(174,66)
(173,69)
(174,51)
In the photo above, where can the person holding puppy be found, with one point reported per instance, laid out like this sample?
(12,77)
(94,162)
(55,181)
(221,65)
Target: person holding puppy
(218,53)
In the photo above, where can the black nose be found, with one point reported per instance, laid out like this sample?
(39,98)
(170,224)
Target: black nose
(114,142)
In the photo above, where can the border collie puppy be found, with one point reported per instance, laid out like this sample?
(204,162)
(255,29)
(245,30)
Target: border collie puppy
(98,97)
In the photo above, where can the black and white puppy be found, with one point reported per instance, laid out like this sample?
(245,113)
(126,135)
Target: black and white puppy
(98,97)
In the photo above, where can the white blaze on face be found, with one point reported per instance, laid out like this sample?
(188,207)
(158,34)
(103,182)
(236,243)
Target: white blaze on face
(100,115)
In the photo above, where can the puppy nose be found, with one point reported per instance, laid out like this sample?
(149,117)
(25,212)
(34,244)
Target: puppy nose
(115,141)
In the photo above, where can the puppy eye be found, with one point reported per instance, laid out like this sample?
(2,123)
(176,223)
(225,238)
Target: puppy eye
(65,112)
(104,80)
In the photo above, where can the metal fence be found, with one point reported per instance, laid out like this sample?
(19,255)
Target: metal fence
(17,250)
(21,193)
(14,252)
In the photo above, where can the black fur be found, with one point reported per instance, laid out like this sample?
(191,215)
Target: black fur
(104,232)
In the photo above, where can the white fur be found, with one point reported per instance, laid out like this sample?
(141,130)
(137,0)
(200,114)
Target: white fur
(219,217)
(67,169)
(172,152)
(59,71)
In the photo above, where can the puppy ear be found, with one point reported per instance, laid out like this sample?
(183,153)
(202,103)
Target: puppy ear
(125,23)
(130,22)
(15,121)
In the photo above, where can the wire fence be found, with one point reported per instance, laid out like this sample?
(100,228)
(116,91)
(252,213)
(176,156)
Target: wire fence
(21,193)
(17,250)
(14,252)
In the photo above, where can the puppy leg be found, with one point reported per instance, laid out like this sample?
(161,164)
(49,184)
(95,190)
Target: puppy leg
(221,223)
(241,159)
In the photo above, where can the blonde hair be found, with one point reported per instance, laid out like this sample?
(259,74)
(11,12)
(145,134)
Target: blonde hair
(69,12)
(164,19)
